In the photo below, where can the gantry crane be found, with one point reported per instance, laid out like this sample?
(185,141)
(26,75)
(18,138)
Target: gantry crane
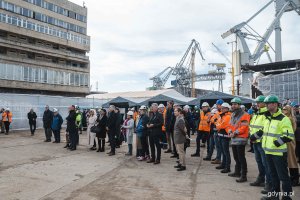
(244,31)
(184,72)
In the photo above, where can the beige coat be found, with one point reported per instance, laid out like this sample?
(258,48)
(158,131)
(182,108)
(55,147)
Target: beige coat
(291,146)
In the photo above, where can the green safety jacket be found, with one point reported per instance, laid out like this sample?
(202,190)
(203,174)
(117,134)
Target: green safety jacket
(276,127)
(78,119)
(257,122)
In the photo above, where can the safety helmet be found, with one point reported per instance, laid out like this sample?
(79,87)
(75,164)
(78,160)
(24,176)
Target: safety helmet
(271,99)
(260,99)
(226,105)
(161,106)
(236,100)
(143,108)
(205,104)
(55,110)
(186,107)
(219,102)
(130,113)
(250,111)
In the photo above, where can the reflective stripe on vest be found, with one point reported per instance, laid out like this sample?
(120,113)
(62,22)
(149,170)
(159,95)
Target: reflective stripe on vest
(275,150)
(256,126)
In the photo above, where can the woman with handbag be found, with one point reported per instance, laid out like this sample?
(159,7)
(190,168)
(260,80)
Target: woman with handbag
(101,134)
(92,120)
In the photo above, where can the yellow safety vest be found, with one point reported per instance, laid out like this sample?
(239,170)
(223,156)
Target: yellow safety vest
(275,126)
(257,122)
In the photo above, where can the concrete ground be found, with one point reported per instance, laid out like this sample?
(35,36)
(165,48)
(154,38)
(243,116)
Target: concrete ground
(31,169)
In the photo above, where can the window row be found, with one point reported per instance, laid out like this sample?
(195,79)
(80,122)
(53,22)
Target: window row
(42,29)
(38,75)
(57,9)
(41,17)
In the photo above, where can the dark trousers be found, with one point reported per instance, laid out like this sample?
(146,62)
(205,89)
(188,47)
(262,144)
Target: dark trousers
(173,143)
(261,161)
(163,139)
(226,159)
(112,141)
(32,126)
(298,150)
(200,136)
(218,147)
(101,144)
(278,166)
(77,136)
(240,159)
(6,124)
(56,134)
(154,143)
(145,145)
(48,133)
(73,138)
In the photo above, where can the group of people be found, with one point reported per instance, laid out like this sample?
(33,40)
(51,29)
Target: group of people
(272,129)
(5,120)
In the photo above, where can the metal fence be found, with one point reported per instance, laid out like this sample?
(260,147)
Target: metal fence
(20,105)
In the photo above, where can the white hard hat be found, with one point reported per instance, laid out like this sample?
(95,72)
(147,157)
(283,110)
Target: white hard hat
(186,107)
(205,104)
(130,113)
(226,105)
(161,106)
(132,109)
(7,109)
(143,108)
(55,110)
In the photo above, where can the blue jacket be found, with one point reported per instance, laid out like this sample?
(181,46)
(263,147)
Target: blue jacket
(141,127)
(56,122)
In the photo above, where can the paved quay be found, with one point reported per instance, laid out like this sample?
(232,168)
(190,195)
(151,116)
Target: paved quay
(32,169)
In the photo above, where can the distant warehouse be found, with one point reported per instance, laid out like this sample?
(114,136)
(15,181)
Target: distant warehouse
(43,46)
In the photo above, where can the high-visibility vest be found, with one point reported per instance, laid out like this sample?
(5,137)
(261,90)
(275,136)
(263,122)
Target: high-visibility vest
(222,124)
(275,126)
(7,117)
(204,124)
(257,122)
(240,129)
(164,117)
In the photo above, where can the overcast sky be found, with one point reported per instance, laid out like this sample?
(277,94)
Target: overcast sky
(133,40)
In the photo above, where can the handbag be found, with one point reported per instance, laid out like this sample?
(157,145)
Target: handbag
(95,129)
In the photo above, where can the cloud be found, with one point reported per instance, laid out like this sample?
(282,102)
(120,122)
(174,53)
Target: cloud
(133,40)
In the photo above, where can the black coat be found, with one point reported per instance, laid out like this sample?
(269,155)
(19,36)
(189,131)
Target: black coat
(112,122)
(102,125)
(71,121)
(168,120)
(31,117)
(157,121)
(47,119)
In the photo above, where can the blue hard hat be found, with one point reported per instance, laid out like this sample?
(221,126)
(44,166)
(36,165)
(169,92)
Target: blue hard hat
(219,102)
(250,111)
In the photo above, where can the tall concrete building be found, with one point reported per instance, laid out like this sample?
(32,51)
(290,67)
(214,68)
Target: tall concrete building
(43,46)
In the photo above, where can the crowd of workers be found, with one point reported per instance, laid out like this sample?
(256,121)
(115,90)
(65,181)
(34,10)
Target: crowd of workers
(272,129)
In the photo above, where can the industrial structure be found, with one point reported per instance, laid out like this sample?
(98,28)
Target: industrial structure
(242,56)
(43,46)
(185,75)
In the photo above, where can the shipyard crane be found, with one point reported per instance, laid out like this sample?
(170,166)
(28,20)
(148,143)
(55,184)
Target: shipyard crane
(244,31)
(184,72)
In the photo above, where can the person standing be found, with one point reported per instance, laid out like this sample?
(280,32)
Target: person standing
(168,126)
(111,128)
(239,132)
(180,134)
(119,122)
(102,120)
(223,127)
(256,127)
(292,158)
(47,120)
(7,119)
(72,128)
(128,125)
(203,129)
(297,132)
(1,121)
(56,125)
(277,132)
(92,120)
(154,125)
(142,133)
(32,121)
